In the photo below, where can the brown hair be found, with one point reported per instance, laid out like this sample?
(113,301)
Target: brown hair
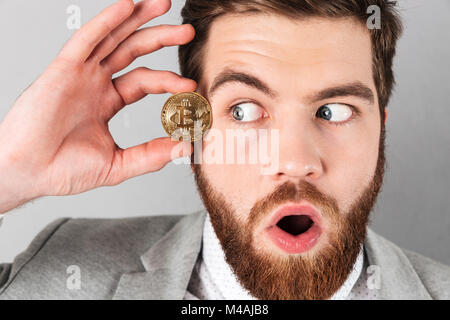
(201,13)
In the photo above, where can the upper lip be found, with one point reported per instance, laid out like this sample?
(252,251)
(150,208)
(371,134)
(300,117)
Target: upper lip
(303,208)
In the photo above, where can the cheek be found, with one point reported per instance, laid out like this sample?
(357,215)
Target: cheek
(239,183)
(353,164)
(229,181)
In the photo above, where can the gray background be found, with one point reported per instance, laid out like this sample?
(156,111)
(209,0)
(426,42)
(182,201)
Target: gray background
(413,209)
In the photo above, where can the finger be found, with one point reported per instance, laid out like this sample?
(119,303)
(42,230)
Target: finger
(83,42)
(145,41)
(139,82)
(147,157)
(144,11)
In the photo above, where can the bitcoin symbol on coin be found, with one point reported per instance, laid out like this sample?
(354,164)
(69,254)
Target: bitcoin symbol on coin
(186,116)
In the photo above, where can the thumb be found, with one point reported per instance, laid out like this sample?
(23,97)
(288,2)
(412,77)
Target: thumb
(144,158)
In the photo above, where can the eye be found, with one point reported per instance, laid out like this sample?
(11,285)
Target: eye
(335,112)
(247,112)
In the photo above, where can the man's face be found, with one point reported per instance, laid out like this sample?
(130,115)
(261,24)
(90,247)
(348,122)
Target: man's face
(296,231)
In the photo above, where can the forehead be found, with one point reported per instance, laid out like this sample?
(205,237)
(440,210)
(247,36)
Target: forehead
(301,55)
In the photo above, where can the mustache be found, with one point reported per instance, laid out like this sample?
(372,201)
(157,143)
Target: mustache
(291,192)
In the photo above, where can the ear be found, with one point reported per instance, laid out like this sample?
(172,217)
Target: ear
(385,115)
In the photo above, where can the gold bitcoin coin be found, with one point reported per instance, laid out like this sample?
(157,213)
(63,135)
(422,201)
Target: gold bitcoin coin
(186,116)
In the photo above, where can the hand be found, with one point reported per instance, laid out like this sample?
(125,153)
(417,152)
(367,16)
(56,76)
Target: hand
(55,139)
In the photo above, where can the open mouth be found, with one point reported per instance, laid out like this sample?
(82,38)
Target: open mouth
(295,224)
(295,228)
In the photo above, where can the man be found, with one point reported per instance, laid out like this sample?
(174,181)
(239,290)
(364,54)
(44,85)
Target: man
(310,71)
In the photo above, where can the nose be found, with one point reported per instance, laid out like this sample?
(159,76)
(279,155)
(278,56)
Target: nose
(299,153)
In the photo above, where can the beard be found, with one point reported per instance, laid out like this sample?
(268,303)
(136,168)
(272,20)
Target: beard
(306,277)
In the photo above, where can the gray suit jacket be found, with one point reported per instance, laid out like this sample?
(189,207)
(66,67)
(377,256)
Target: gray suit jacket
(153,258)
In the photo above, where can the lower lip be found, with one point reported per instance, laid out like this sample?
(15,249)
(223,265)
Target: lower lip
(295,244)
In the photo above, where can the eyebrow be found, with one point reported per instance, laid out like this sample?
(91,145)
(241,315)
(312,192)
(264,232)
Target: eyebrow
(356,88)
(228,75)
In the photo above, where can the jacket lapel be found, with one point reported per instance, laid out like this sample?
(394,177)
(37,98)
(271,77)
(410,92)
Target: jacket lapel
(168,263)
(398,279)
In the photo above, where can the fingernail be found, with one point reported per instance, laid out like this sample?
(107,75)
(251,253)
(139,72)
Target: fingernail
(186,149)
